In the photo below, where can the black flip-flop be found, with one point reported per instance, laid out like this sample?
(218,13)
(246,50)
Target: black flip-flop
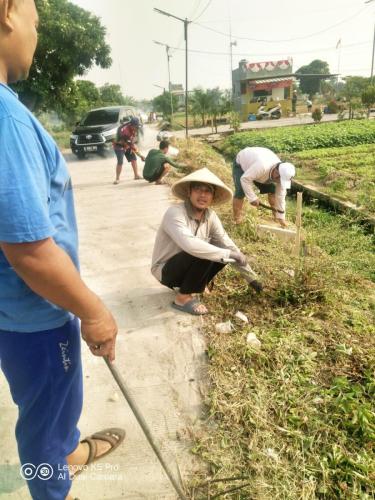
(189,307)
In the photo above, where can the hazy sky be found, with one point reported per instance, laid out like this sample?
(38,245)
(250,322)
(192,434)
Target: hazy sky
(264,30)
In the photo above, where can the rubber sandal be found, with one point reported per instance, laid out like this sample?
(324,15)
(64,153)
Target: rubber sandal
(189,307)
(104,435)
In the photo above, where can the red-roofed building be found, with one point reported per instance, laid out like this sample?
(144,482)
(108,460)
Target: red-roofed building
(268,82)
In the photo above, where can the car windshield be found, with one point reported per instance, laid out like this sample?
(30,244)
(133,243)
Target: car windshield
(101,117)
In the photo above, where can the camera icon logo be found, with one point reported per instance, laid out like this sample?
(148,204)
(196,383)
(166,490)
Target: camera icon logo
(31,471)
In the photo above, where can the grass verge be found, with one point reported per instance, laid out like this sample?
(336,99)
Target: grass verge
(294,419)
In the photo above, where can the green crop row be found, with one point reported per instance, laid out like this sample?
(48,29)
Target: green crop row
(294,139)
(347,173)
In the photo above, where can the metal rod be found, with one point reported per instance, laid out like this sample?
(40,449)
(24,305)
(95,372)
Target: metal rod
(169,81)
(298,224)
(270,208)
(125,391)
(372,60)
(186,77)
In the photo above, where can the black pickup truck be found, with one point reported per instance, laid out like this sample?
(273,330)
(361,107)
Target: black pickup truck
(96,131)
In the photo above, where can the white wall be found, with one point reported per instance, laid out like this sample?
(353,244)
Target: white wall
(278,94)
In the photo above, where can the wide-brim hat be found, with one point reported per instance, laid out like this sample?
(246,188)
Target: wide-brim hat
(222,194)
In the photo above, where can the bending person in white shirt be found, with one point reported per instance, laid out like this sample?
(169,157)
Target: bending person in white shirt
(264,169)
(191,244)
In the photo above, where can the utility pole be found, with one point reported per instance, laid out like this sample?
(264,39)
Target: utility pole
(231,44)
(169,74)
(186,23)
(373,50)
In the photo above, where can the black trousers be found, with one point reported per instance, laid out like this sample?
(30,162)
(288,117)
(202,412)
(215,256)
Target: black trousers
(188,273)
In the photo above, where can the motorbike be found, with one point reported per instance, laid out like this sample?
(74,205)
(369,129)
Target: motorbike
(272,113)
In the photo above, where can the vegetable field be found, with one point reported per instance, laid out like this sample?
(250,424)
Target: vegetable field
(294,139)
(347,173)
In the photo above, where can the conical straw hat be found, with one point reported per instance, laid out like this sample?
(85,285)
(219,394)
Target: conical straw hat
(181,188)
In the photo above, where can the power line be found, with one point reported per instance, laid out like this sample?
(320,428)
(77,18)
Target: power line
(203,11)
(278,41)
(323,49)
(195,8)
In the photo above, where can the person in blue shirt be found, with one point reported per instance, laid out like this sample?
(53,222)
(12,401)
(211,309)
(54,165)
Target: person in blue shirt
(42,297)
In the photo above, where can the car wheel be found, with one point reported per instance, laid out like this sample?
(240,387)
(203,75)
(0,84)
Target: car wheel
(81,155)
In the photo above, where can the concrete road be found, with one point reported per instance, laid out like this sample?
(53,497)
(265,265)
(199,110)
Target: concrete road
(301,119)
(160,353)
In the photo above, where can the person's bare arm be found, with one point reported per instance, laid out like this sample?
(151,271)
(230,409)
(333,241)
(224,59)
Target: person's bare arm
(50,273)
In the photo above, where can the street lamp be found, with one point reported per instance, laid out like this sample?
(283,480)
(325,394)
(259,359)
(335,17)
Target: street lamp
(169,74)
(373,50)
(186,22)
(160,87)
(232,44)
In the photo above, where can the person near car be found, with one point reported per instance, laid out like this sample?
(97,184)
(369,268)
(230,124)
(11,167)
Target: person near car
(125,145)
(158,164)
(309,105)
(42,297)
(191,245)
(264,169)
(294,102)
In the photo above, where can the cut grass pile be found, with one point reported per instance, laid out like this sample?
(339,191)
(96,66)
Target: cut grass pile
(294,139)
(294,419)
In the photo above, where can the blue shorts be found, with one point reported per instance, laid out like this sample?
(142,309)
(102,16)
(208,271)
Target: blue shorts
(237,173)
(129,155)
(44,373)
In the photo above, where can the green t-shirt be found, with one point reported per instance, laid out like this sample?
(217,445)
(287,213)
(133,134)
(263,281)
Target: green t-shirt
(154,163)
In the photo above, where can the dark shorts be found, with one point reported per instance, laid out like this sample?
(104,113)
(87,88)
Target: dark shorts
(129,155)
(44,373)
(155,176)
(239,193)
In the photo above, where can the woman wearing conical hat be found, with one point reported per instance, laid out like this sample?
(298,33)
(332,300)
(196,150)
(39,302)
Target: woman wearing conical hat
(191,244)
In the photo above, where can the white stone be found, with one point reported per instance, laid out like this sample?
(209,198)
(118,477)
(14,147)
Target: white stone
(289,272)
(253,340)
(224,327)
(270,452)
(114,398)
(240,315)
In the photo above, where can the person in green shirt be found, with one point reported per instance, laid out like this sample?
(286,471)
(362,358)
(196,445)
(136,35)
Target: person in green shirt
(157,164)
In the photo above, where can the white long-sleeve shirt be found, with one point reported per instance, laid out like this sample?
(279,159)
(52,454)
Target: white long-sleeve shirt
(205,239)
(257,164)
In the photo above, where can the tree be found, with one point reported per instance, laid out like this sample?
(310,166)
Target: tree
(145,104)
(352,91)
(162,103)
(368,98)
(215,105)
(82,96)
(111,95)
(71,41)
(354,86)
(200,103)
(310,84)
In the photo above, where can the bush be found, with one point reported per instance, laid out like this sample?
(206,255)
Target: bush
(234,121)
(317,115)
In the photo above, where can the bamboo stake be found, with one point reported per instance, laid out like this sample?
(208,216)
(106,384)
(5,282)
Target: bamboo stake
(297,246)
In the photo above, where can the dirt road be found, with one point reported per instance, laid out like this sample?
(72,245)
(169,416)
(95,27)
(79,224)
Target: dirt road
(160,353)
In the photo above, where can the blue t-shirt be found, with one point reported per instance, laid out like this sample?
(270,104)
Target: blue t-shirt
(36,202)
